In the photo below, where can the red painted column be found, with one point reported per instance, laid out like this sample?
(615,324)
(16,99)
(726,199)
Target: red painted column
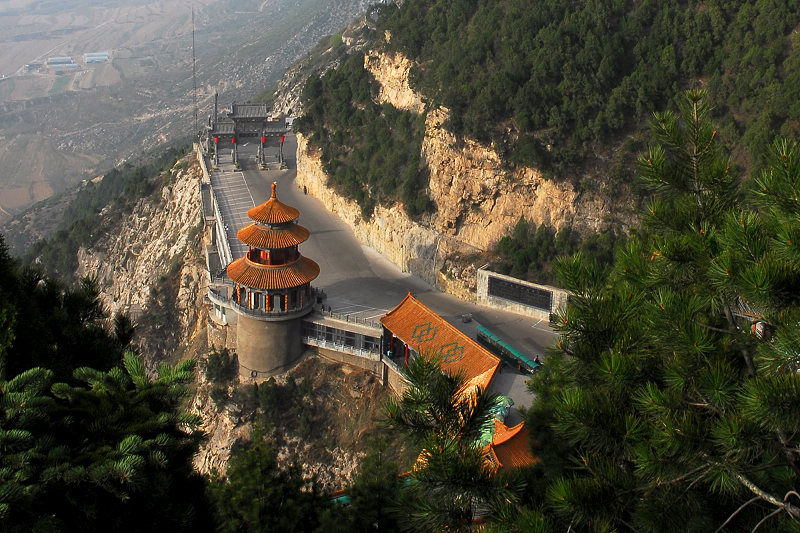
(406,354)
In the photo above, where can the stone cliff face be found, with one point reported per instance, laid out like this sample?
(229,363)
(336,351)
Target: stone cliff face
(410,245)
(478,198)
(150,265)
(391,70)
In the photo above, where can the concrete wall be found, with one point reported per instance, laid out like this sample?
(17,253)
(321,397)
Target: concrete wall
(559,300)
(395,380)
(267,348)
(388,373)
(376,367)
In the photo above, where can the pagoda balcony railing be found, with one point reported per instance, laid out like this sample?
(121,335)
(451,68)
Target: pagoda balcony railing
(219,298)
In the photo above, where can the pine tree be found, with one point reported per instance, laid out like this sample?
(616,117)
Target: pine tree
(452,482)
(259,495)
(665,410)
(112,453)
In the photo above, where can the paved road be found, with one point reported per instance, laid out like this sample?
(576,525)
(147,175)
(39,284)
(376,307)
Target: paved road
(361,282)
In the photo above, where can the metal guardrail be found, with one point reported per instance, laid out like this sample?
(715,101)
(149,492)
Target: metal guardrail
(388,362)
(338,347)
(353,319)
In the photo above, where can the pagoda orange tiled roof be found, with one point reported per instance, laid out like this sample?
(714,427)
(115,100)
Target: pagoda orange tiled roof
(503,433)
(273,211)
(511,447)
(266,277)
(264,237)
(430,335)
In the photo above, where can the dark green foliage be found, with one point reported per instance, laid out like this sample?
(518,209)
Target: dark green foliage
(97,448)
(258,495)
(44,324)
(221,367)
(124,329)
(370,152)
(570,75)
(529,255)
(112,453)
(80,226)
(291,402)
(453,479)
(661,408)
(372,495)
(373,491)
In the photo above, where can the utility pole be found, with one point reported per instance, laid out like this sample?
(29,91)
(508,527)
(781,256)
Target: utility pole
(194,75)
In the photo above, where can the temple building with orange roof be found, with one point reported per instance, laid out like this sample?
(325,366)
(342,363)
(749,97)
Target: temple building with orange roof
(270,290)
(412,330)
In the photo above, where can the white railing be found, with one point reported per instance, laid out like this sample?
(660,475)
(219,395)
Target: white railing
(391,364)
(352,319)
(343,348)
(223,246)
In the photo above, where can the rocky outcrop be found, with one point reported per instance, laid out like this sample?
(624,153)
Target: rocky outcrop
(479,198)
(410,245)
(391,70)
(149,263)
(222,427)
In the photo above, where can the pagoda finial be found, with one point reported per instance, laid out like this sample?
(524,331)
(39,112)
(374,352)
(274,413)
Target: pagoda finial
(274,186)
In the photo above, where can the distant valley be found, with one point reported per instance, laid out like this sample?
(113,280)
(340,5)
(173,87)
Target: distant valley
(62,125)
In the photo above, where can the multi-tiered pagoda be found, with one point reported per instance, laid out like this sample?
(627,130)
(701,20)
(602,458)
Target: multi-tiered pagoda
(272,289)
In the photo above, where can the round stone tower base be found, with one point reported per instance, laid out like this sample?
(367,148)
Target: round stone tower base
(266,348)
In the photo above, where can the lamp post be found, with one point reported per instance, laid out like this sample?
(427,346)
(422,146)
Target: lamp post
(233,153)
(216,157)
(261,148)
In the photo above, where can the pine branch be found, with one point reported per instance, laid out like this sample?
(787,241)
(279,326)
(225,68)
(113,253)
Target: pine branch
(787,451)
(793,510)
(770,515)
(737,511)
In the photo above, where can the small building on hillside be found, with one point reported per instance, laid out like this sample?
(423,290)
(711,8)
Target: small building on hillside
(59,60)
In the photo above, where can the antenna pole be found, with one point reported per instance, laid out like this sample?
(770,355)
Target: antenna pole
(194,74)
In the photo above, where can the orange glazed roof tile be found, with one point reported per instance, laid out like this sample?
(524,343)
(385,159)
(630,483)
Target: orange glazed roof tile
(428,333)
(273,211)
(515,452)
(263,237)
(502,432)
(246,272)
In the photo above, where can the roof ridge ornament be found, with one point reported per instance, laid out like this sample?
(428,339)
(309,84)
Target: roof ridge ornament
(274,187)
